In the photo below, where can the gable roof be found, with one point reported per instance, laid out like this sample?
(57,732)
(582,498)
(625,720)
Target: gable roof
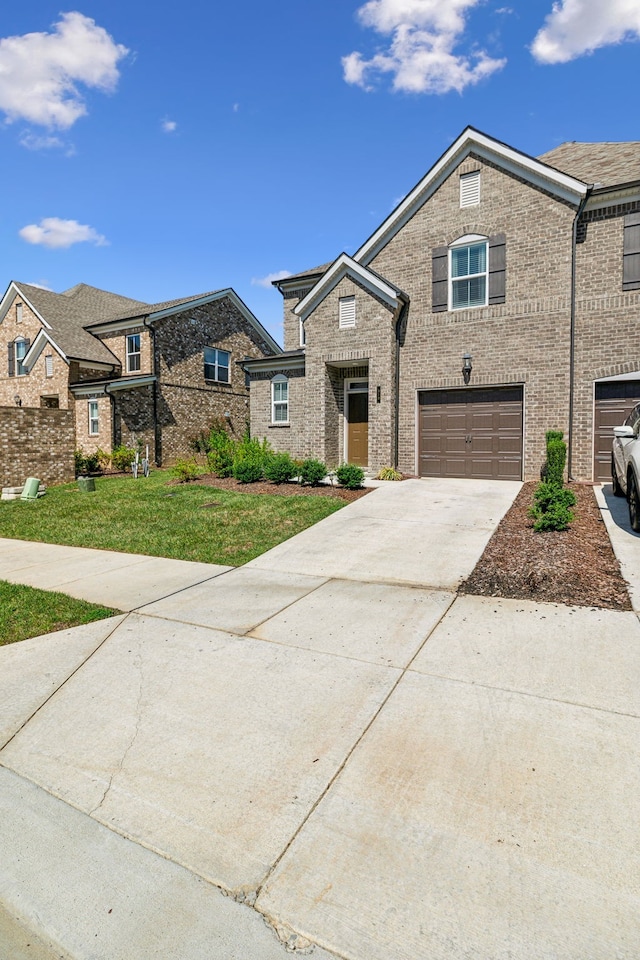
(602,164)
(62,316)
(472,141)
(345,266)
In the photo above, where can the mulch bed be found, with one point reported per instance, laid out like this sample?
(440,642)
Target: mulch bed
(575,566)
(279,489)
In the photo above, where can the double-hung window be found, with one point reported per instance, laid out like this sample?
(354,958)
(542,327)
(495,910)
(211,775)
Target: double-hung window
(93,418)
(133,353)
(216,364)
(468,275)
(21,347)
(280,400)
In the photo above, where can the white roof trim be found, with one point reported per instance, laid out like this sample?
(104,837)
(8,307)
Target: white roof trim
(471,141)
(38,346)
(130,383)
(274,363)
(7,300)
(340,268)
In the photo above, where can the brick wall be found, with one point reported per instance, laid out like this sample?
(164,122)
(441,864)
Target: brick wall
(33,386)
(36,442)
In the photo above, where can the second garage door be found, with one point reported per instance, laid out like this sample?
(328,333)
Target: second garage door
(475,433)
(615,399)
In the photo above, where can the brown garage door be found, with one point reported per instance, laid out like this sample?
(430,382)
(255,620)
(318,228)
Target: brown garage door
(471,433)
(614,402)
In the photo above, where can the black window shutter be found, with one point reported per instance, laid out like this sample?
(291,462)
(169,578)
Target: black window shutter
(497,268)
(631,258)
(12,359)
(439,279)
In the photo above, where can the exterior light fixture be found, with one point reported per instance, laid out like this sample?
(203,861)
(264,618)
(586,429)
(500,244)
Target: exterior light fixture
(17,401)
(467,367)
(227,415)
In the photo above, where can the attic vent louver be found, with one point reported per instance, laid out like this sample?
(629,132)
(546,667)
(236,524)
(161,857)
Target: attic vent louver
(470,189)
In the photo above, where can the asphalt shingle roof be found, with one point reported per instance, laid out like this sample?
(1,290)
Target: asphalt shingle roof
(604,164)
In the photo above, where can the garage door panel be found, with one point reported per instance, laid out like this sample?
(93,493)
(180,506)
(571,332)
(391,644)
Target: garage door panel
(471,433)
(614,402)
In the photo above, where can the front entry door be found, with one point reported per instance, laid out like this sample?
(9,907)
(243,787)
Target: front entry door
(358,427)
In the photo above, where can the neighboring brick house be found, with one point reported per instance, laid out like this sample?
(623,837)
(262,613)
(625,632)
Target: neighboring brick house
(501,298)
(132,372)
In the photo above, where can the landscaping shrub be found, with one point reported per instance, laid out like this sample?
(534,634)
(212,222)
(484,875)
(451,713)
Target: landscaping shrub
(551,507)
(104,458)
(312,472)
(350,476)
(556,460)
(122,457)
(249,460)
(221,450)
(279,468)
(388,473)
(185,469)
(86,464)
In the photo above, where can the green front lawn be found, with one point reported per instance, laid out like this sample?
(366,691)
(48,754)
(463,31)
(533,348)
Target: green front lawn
(185,521)
(28,612)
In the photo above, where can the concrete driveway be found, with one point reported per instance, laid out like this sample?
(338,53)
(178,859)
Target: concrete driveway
(331,738)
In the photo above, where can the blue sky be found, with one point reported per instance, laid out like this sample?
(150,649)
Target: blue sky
(168,149)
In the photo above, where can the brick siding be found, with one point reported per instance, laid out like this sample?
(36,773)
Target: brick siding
(36,442)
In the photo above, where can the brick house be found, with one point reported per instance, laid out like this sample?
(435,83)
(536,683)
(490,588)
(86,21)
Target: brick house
(499,299)
(132,372)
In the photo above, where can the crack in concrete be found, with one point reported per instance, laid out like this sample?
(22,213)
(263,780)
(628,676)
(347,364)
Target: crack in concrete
(127,750)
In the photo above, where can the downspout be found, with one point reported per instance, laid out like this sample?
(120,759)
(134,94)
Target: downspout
(157,440)
(572,343)
(396,415)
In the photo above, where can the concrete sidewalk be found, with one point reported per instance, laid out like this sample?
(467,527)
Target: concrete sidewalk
(330,737)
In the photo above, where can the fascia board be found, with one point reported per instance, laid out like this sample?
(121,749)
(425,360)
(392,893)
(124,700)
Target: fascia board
(7,300)
(115,326)
(96,364)
(280,363)
(471,141)
(230,294)
(342,267)
(85,390)
(126,383)
(625,193)
(38,346)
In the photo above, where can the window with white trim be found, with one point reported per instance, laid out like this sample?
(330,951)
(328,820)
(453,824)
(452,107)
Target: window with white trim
(21,347)
(93,418)
(280,399)
(48,365)
(303,334)
(216,364)
(133,353)
(470,189)
(346,312)
(468,275)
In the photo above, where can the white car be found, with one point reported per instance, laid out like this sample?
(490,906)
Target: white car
(625,464)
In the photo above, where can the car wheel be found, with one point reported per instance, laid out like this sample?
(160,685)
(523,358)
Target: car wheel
(615,483)
(634,504)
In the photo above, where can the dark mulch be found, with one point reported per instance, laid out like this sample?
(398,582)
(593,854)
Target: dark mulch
(575,566)
(279,489)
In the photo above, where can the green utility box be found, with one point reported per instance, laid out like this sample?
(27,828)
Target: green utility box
(30,489)
(86,484)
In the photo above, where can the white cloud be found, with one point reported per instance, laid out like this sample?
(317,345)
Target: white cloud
(270,277)
(39,71)
(169,126)
(59,234)
(576,27)
(420,56)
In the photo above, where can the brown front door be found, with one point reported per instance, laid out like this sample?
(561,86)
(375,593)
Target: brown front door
(615,400)
(474,433)
(358,428)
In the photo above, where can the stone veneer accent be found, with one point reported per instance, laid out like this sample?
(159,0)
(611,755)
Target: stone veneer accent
(36,442)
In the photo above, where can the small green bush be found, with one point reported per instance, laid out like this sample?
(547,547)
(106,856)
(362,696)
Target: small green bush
(249,460)
(221,450)
(122,457)
(553,435)
(350,476)
(185,469)
(312,472)
(86,463)
(279,468)
(551,507)
(104,458)
(556,460)
(388,473)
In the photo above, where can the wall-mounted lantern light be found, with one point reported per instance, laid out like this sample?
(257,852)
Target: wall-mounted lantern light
(17,401)
(467,367)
